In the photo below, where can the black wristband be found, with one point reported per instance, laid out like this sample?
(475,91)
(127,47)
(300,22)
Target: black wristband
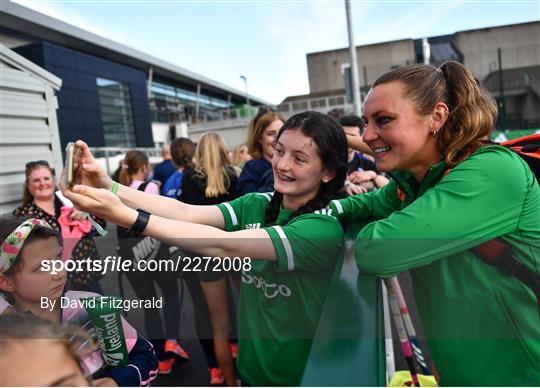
(140,223)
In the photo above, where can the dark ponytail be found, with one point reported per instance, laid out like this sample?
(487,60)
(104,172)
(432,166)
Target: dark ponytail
(132,162)
(331,143)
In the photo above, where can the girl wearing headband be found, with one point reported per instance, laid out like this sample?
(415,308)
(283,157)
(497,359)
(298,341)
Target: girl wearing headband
(25,286)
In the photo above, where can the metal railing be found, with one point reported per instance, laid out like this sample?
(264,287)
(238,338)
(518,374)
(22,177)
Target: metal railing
(349,347)
(320,104)
(110,157)
(233,117)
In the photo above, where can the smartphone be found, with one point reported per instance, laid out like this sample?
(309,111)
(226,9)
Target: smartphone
(69,167)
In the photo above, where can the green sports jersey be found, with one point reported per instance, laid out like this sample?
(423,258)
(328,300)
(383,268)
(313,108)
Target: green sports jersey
(281,301)
(482,326)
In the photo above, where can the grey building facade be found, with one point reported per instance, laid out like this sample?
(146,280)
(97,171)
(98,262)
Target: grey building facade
(113,95)
(517,46)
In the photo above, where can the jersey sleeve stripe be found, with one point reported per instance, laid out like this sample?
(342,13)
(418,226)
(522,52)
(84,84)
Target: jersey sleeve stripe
(268,196)
(234,219)
(287,246)
(338,206)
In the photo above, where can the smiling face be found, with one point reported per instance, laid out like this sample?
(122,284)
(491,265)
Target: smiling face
(40,183)
(29,283)
(268,139)
(401,139)
(298,169)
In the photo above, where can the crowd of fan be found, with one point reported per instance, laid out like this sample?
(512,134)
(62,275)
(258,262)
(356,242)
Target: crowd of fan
(205,173)
(283,199)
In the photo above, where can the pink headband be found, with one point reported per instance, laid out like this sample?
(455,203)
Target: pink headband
(13,243)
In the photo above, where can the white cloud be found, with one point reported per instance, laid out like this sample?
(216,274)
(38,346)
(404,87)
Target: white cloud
(300,30)
(322,26)
(293,29)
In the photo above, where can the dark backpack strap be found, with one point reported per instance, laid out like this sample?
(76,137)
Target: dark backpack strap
(143,185)
(500,255)
(122,232)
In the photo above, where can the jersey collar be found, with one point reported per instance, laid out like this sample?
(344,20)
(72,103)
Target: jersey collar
(410,186)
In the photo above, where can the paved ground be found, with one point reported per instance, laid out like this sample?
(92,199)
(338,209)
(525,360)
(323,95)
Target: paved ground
(195,372)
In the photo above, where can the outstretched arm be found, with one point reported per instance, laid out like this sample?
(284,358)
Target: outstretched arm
(357,143)
(210,241)
(203,239)
(489,189)
(90,173)
(170,208)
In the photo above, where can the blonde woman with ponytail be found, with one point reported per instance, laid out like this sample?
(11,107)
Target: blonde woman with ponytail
(452,191)
(213,180)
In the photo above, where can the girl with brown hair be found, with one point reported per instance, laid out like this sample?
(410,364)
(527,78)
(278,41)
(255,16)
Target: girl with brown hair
(257,175)
(286,241)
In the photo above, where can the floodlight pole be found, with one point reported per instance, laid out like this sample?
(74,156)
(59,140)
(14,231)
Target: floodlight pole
(354,63)
(245,85)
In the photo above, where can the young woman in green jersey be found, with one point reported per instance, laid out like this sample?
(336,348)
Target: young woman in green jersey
(451,192)
(291,240)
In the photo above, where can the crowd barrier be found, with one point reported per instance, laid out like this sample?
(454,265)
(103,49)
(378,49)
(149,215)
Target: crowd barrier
(348,348)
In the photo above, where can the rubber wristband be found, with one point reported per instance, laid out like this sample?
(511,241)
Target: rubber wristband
(140,223)
(114,188)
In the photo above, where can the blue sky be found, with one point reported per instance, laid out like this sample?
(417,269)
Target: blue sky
(267,41)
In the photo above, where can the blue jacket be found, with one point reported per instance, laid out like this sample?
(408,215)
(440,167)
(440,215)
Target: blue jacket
(256,176)
(173,187)
(163,171)
(141,370)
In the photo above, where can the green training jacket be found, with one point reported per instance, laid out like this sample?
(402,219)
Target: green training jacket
(482,326)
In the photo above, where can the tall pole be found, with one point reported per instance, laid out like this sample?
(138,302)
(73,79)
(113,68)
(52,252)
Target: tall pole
(150,80)
(502,102)
(197,102)
(245,86)
(426,50)
(354,63)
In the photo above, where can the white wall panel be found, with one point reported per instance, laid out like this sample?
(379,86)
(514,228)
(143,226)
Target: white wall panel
(28,124)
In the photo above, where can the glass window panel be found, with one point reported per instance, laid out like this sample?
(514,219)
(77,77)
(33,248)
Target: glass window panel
(177,102)
(116,113)
(283,107)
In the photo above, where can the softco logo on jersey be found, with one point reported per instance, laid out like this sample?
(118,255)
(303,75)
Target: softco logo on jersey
(256,225)
(271,290)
